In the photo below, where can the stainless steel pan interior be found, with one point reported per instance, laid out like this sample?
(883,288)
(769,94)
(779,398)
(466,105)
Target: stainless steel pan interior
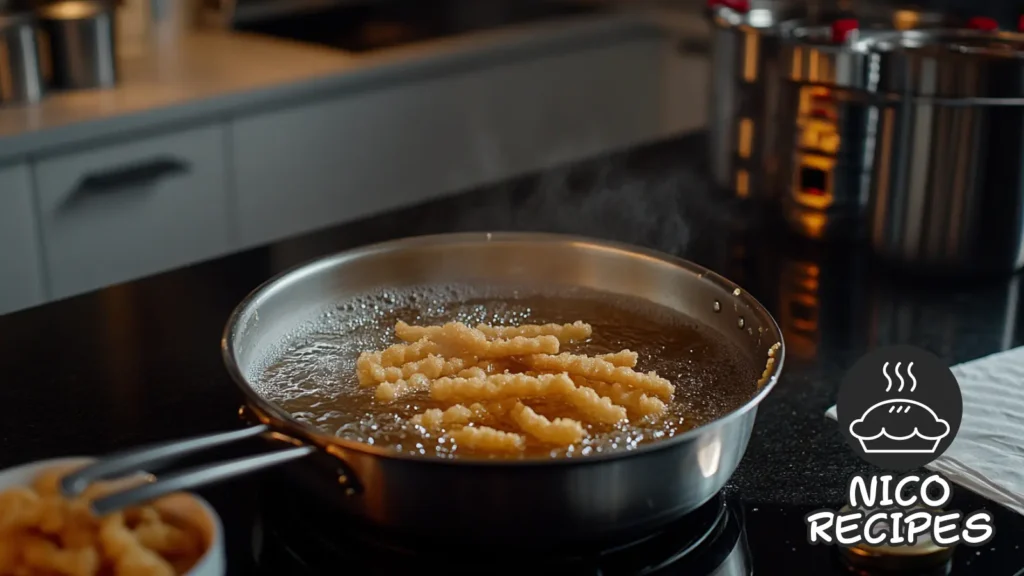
(527,503)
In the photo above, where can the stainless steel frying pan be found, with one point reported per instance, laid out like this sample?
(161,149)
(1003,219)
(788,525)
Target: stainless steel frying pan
(519,502)
(508,504)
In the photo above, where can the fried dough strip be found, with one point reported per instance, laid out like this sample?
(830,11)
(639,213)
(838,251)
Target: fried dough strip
(560,431)
(460,339)
(602,410)
(398,354)
(46,557)
(597,369)
(635,401)
(19,507)
(487,439)
(431,367)
(624,358)
(391,391)
(411,333)
(436,419)
(364,367)
(130,557)
(768,365)
(500,387)
(498,366)
(472,372)
(566,333)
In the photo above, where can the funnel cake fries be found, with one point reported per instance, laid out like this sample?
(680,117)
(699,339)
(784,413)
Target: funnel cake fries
(41,532)
(626,358)
(498,388)
(486,439)
(566,333)
(602,370)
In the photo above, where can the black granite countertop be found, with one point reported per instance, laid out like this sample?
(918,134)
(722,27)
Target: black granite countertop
(140,362)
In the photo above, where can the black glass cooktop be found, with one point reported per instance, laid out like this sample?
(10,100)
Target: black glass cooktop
(708,541)
(381,25)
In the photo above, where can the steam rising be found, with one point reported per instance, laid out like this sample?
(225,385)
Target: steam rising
(608,201)
(896,370)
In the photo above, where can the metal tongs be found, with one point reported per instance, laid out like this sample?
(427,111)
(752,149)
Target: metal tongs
(148,457)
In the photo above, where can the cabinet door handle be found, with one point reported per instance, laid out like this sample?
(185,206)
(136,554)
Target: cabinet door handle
(124,178)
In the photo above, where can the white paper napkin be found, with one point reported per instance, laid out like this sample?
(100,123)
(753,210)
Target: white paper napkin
(987,455)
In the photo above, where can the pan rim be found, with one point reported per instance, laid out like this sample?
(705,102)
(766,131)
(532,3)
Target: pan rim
(276,414)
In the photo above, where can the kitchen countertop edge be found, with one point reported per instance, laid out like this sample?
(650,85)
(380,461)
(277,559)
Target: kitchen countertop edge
(354,73)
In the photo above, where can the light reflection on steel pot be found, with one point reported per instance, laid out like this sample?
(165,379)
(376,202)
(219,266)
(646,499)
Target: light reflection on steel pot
(826,124)
(744,80)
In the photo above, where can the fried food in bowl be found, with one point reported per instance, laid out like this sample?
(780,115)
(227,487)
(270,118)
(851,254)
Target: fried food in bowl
(44,533)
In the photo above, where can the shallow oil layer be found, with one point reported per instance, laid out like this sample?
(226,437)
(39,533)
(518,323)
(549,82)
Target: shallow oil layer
(314,379)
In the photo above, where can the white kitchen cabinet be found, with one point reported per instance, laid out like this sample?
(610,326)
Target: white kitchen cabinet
(21,274)
(366,152)
(130,209)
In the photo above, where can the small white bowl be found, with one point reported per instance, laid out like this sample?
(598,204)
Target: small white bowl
(193,509)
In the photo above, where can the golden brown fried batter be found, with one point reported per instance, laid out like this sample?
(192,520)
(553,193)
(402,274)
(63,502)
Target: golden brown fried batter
(493,382)
(41,532)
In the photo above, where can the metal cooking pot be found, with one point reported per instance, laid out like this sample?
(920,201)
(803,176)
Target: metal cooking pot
(744,82)
(81,42)
(748,68)
(826,125)
(947,185)
(509,504)
(21,72)
(825,132)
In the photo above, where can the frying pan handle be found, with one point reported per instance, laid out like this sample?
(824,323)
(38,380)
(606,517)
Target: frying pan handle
(330,457)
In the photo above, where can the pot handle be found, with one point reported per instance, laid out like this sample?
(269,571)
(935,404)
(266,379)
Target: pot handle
(347,479)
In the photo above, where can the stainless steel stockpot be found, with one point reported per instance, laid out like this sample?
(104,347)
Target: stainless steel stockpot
(509,504)
(947,184)
(21,69)
(826,125)
(744,84)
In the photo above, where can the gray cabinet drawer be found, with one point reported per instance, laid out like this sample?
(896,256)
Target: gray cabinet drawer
(21,281)
(128,210)
(364,153)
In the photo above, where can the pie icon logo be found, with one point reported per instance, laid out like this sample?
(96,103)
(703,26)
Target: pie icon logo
(899,407)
